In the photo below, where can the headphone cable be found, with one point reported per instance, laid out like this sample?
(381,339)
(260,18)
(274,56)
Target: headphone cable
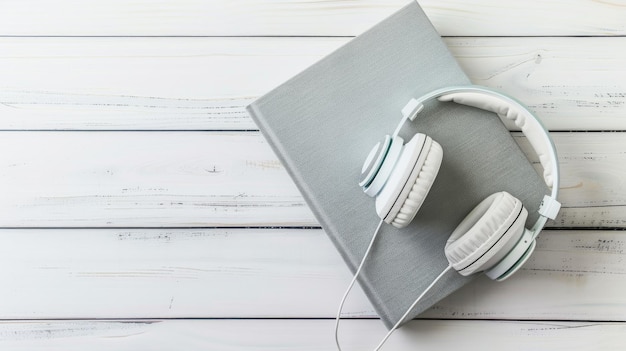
(356,274)
(382,342)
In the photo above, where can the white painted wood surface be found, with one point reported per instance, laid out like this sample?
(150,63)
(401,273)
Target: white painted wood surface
(305,18)
(213,179)
(134,188)
(197,335)
(75,84)
(277,273)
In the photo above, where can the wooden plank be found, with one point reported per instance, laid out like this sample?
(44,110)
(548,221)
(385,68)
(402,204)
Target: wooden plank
(144,83)
(310,18)
(191,335)
(207,179)
(137,273)
(198,83)
(139,179)
(272,273)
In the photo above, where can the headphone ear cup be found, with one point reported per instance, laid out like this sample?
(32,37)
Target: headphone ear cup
(486,234)
(420,188)
(411,181)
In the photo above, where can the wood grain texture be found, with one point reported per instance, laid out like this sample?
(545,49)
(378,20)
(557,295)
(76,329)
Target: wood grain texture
(208,179)
(204,83)
(305,18)
(143,179)
(192,335)
(144,83)
(272,273)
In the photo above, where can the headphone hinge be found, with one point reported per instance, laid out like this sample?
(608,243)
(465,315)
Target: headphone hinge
(549,207)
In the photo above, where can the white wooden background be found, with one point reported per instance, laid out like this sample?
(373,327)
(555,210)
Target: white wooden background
(141,209)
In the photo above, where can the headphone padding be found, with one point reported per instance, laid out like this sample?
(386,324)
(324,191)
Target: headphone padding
(486,234)
(421,187)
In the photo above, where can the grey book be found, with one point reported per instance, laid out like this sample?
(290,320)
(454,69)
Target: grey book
(323,122)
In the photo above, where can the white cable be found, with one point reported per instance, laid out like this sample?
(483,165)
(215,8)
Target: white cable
(356,274)
(411,308)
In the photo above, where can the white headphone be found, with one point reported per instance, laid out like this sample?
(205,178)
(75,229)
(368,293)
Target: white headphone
(492,237)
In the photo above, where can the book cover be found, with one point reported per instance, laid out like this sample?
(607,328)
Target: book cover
(323,122)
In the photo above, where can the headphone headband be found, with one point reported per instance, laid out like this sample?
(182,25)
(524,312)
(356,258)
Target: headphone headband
(512,113)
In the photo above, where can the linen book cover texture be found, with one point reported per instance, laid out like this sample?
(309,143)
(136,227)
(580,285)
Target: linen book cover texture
(323,122)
